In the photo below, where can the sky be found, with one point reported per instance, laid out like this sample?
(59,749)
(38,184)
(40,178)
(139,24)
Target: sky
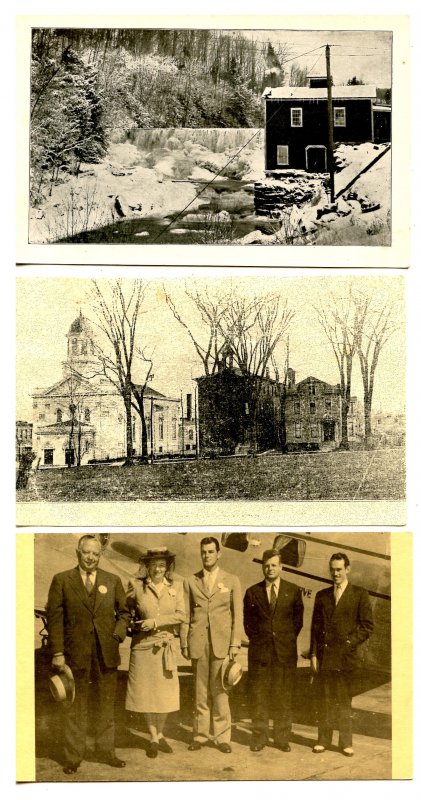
(365,54)
(46,307)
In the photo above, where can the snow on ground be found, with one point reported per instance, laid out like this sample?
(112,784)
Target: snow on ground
(157,180)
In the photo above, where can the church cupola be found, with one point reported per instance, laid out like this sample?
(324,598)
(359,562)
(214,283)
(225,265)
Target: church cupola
(80,346)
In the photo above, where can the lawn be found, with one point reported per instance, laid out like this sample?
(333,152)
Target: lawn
(359,475)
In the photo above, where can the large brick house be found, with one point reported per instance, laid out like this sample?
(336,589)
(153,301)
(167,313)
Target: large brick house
(297,123)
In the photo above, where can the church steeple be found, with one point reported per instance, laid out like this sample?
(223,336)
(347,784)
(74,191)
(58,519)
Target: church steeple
(80,347)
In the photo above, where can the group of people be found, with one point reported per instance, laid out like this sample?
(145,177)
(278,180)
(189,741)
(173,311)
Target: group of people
(88,615)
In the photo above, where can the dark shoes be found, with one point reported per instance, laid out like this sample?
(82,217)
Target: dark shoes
(164,746)
(257,745)
(111,759)
(70,768)
(194,745)
(284,746)
(152,749)
(224,747)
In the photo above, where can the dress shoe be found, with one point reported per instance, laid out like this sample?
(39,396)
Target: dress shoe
(284,746)
(70,768)
(348,751)
(256,747)
(112,760)
(319,748)
(152,749)
(164,746)
(224,747)
(194,745)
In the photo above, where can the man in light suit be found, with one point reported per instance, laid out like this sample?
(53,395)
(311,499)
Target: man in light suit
(87,619)
(342,621)
(213,628)
(273,618)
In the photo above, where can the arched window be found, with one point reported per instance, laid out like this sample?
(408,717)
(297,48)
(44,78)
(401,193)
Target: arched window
(87,415)
(74,345)
(84,348)
(174,427)
(59,415)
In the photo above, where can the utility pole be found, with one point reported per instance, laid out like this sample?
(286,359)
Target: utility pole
(331,166)
(152,443)
(196,421)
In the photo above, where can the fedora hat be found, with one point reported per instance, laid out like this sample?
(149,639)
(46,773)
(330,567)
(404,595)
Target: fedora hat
(231,673)
(62,685)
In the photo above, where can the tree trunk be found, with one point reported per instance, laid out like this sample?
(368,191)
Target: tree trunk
(129,430)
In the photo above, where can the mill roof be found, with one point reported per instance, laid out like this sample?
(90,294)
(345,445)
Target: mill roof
(307,93)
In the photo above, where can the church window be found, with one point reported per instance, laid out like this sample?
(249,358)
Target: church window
(190,434)
(84,348)
(161,428)
(35,404)
(311,388)
(47,405)
(41,416)
(59,415)
(87,415)
(74,345)
(174,427)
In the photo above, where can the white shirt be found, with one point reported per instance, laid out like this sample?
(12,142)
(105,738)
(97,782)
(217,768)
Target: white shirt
(209,578)
(339,590)
(269,585)
(84,575)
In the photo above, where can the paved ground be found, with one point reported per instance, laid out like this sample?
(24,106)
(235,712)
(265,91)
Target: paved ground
(372,761)
(372,741)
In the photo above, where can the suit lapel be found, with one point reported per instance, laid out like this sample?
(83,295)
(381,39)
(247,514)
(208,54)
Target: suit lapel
(200,584)
(330,602)
(101,580)
(344,598)
(78,587)
(262,597)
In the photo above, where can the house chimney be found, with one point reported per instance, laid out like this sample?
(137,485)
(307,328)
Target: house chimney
(189,407)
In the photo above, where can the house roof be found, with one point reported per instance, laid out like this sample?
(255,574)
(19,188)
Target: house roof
(306,93)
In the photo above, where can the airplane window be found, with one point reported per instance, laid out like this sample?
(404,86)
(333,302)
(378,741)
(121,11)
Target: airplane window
(237,541)
(292,550)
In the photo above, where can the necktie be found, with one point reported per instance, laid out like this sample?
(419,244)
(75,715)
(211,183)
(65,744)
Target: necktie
(338,592)
(273,598)
(89,583)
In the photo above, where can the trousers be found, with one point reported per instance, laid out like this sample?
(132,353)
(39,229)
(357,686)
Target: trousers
(212,717)
(271,687)
(95,689)
(335,707)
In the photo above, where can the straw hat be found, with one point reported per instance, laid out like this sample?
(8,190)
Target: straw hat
(62,685)
(231,673)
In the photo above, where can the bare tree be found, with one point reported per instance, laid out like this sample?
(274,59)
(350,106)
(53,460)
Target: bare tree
(117,317)
(375,325)
(338,318)
(138,401)
(253,329)
(212,306)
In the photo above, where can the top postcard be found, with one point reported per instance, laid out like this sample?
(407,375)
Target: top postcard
(144,144)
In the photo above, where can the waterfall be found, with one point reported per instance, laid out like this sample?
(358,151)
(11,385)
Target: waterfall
(217,140)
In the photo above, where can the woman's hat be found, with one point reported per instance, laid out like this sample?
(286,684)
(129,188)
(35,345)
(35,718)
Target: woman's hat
(157,552)
(62,685)
(231,673)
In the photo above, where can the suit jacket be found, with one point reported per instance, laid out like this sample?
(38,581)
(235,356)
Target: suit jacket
(218,614)
(73,618)
(338,630)
(280,629)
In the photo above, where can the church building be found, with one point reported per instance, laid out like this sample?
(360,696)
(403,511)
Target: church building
(81,418)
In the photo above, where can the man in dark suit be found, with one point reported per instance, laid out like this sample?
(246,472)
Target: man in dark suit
(273,618)
(342,621)
(87,619)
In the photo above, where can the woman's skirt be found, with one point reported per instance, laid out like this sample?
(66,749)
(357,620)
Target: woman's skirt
(153,686)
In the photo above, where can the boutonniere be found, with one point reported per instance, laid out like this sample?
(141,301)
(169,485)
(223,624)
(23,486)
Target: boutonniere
(172,592)
(222,588)
(103,589)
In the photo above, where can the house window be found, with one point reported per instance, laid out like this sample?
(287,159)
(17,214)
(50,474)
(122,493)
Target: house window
(297,407)
(296,117)
(187,447)
(298,429)
(312,407)
(328,405)
(59,415)
(190,434)
(311,388)
(339,117)
(314,431)
(174,427)
(41,416)
(87,415)
(282,155)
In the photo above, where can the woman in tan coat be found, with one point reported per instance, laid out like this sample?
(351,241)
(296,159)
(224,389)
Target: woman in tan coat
(158,608)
